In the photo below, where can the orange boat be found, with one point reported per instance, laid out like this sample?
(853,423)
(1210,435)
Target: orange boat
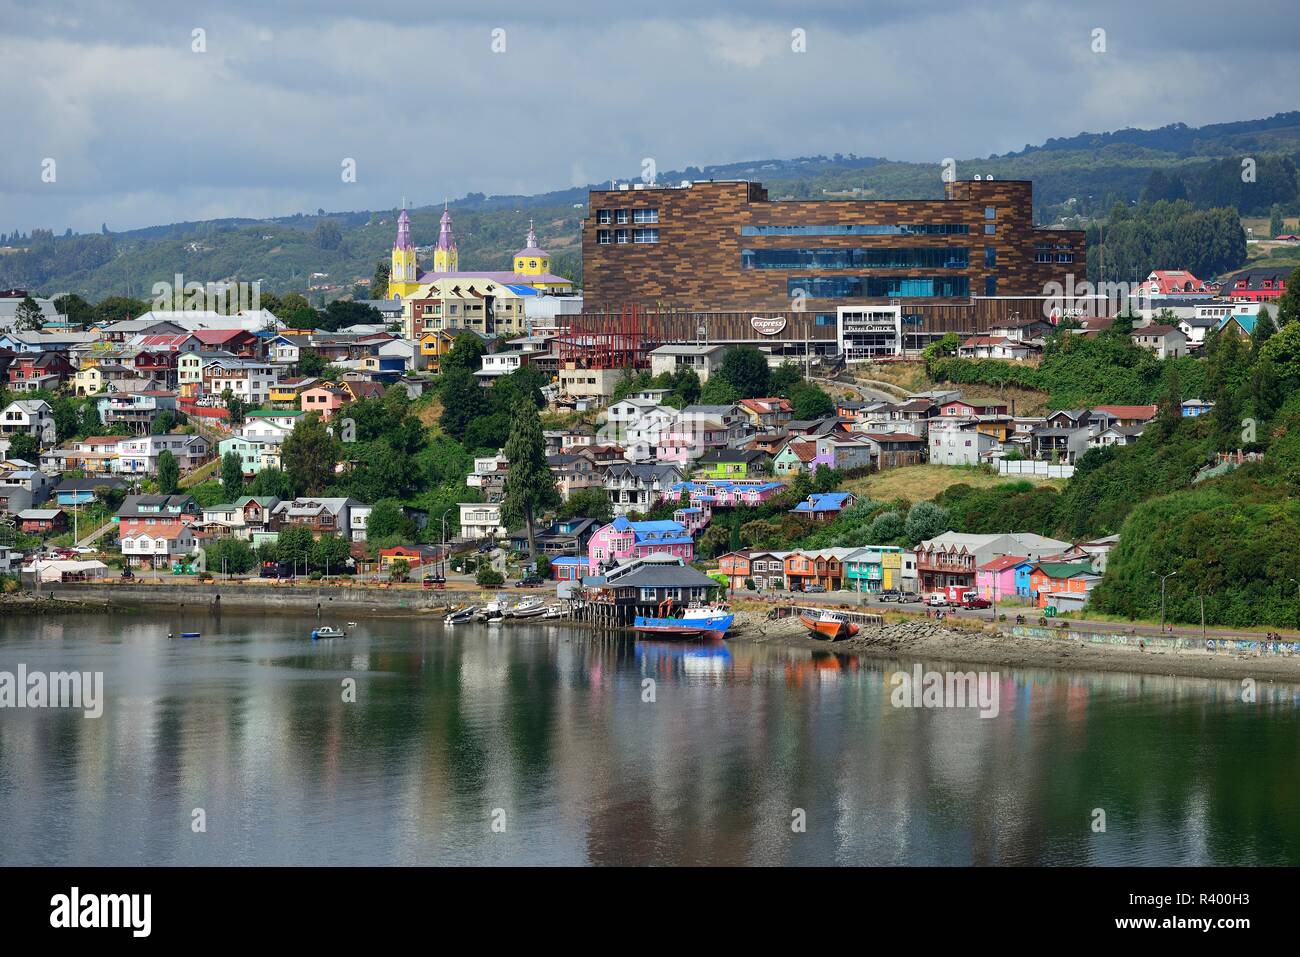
(828,625)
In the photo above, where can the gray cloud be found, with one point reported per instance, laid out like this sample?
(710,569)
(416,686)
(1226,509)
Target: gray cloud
(146,131)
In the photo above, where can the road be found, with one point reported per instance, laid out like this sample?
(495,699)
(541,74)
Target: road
(863,392)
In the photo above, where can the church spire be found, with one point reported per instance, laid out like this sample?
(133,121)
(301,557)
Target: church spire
(403,230)
(445,257)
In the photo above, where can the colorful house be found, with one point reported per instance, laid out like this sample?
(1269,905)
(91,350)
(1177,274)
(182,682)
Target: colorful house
(726,464)
(568,568)
(822,567)
(1064,585)
(722,494)
(765,569)
(693,518)
(996,579)
(622,539)
(824,506)
(325,399)
(875,568)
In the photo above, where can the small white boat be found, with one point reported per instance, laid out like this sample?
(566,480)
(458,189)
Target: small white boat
(327,631)
(528,608)
(460,616)
(554,611)
(489,612)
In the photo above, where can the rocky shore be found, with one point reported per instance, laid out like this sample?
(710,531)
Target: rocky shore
(931,641)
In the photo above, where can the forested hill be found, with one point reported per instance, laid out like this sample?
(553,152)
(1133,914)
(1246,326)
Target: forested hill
(1075,178)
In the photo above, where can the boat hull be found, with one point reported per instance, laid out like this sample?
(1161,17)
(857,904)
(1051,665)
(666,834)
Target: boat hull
(828,628)
(710,626)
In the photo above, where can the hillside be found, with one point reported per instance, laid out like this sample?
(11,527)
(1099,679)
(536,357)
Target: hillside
(1074,178)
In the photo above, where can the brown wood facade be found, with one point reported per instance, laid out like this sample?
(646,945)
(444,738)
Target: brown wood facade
(694,275)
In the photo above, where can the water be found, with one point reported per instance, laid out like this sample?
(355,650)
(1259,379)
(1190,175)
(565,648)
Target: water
(543,730)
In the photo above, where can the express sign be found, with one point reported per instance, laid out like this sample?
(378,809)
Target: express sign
(767,327)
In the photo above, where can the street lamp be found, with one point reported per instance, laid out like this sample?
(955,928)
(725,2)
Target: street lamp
(1163,579)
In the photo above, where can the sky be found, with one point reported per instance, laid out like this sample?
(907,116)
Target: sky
(122,114)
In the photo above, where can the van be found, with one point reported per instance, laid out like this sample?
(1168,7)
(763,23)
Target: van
(937,599)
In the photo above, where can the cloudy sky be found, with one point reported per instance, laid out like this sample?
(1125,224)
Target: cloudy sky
(147,124)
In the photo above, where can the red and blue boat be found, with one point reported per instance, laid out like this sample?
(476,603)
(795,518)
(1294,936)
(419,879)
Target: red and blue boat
(695,622)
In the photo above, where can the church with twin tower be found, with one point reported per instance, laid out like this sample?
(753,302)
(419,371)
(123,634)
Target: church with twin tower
(532,265)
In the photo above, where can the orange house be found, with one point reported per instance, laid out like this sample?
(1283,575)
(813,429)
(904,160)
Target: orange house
(736,566)
(1048,581)
(824,567)
(325,399)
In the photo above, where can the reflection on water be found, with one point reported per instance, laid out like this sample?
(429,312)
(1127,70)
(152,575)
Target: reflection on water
(589,762)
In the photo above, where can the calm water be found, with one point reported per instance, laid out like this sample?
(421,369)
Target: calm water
(548,725)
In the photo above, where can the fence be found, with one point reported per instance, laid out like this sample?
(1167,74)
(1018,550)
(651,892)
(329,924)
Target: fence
(1028,467)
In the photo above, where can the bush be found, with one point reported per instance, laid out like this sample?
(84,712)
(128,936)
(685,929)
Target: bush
(489,577)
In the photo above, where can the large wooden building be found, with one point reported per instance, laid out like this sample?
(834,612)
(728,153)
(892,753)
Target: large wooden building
(722,262)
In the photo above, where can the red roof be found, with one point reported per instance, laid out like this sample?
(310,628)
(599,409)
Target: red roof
(1002,563)
(1173,281)
(805,451)
(1130,411)
(216,336)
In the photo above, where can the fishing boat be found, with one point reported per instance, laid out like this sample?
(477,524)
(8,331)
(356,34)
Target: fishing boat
(697,621)
(327,631)
(528,608)
(460,616)
(492,611)
(554,611)
(187,634)
(828,625)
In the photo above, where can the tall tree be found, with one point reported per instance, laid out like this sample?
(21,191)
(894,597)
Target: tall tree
(28,317)
(379,284)
(746,369)
(232,475)
(309,454)
(530,484)
(169,473)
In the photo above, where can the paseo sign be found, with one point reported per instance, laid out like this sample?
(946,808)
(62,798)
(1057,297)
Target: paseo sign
(767,327)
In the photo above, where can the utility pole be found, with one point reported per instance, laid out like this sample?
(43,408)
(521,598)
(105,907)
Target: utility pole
(1297,600)
(1163,579)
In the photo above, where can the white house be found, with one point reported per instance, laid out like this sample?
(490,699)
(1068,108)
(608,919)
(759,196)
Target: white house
(32,417)
(480,520)
(497,364)
(704,359)
(139,455)
(246,380)
(950,444)
(1167,342)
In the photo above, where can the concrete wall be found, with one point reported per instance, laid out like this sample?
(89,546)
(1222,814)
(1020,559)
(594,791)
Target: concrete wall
(1177,642)
(359,599)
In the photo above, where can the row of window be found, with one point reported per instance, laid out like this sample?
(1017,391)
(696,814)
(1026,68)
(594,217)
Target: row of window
(605,217)
(620,237)
(883,258)
(878,287)
(1043,256)
(860,229)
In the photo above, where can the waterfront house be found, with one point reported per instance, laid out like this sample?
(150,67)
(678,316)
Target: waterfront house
(415,556)
(953,558)
(823,567)
(824,506)
(157,545)
(877,568)
(623,539)
(322,516)
(568,568)
(641,586)
(245,517)
(1063,585)
(996,578)
(563,536)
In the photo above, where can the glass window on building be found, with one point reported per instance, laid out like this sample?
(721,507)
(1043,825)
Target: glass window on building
(990,256)
(990,229)
(990,285)
(620,237)
(620,216)
(603,216)
(990,212)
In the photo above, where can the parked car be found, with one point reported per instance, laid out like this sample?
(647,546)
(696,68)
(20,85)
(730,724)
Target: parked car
(529,581)
(889,594)
(814,589)
(486,546)
(908,597)
(127,573)
(975,601)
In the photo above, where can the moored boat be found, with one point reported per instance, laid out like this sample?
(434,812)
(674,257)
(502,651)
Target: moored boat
(694,622)
(327,631)
(459,616)
(489,612)
(828,625)
(554,611)
(528,608)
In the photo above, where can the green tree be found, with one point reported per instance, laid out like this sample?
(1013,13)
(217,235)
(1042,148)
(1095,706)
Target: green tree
(464,401)
(714,541)
(592,503)
(466,353)
(311,363)
(718,391)
(747,370)
(1275,225)
(232,475)
(233,556)
(379,284)
(162,423)
(169,473)
(293,544)
(309,454)
(327,235)
(330,554)
(530,484)
(24,446)
(28,317)
(810,401)
(1288,304)
(925,520)
(387,520)
(235,406)
(271,483)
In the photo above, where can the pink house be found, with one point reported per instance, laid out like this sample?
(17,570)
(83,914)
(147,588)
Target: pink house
(685,441)
(622,539)
(723,493)
(325,399)
(996,580)
(693,518)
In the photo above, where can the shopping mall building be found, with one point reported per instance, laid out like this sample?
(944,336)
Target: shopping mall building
(720,262)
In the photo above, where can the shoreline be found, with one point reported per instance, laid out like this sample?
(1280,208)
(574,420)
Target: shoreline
(986,645)
(922,638)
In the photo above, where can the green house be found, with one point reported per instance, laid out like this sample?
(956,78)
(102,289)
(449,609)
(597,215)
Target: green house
(731,463)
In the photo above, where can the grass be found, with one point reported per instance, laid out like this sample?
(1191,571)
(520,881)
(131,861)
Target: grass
(918,483)
(911,377)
